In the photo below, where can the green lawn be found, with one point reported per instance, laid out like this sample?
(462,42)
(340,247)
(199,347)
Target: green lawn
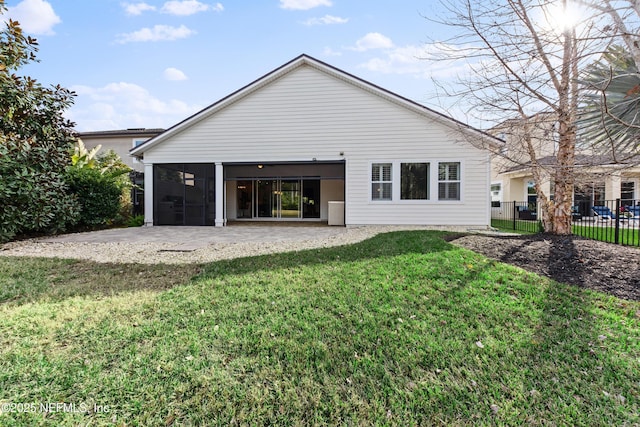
(627,234)
(402,329)
(522,227)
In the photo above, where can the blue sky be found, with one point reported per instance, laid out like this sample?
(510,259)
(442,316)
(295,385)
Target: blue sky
(152,63)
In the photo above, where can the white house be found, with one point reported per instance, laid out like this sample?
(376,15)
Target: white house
(286,146)
(599,178)
(120,141)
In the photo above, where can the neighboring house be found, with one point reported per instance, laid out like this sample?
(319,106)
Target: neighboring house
(307,142)
(598,177)
(120,141)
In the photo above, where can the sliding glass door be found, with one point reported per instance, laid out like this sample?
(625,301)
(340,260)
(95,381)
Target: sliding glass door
(266,206)
(288,199)
(280,198)
(244,192)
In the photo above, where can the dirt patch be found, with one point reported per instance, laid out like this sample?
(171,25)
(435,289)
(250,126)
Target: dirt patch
(591,264)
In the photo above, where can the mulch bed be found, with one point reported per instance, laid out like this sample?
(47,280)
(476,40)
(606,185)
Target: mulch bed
(605,267)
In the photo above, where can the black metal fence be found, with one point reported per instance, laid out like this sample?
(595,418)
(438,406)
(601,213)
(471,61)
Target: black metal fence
(614,221)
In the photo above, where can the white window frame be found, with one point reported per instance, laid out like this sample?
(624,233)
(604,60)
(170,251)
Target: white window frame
(500,192)
(636,189)
(527,185)
(382,181)
(134,143)
(449,181)
(429,181)
(396,187)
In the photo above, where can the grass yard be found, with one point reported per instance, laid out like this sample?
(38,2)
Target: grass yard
(627,234)
(402,329)
(522,226)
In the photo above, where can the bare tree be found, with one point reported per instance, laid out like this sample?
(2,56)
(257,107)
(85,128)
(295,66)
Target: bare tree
(623,25)
(524,60)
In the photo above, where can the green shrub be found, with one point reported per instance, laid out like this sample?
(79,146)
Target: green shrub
(98,195)
(136,221)
(112,165)
(33,193)
(35,139)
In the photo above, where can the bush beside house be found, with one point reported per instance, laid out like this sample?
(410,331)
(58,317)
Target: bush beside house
(101,186)
(35,140)
(42,189)
(98,196)
(34,193)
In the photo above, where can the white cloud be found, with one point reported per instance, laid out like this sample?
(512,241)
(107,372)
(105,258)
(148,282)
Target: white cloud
(303,4)
(418,61)
(35,16)
(330,52)
(173,74)
(157,33)
(326,20)
(188,7)
(373,41)
(125,105)
(134,9)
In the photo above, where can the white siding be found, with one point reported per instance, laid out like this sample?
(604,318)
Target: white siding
(309,114)
(231,202)
(330,191)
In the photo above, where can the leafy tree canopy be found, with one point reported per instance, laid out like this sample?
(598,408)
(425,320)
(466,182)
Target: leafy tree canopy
(35,140)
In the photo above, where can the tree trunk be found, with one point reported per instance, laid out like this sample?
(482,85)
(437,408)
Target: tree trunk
(567,106)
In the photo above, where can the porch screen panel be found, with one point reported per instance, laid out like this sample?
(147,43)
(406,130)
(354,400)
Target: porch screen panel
(168,194)
(199,194)
(184,194)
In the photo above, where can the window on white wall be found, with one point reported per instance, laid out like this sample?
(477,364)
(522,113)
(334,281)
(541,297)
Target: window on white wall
(381,183)
(496,195)
(414,181)
(134,144)
(449,181)
(532,194)
(627,193)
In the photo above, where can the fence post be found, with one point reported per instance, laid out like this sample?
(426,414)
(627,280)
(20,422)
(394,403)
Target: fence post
(515,213)
(617,214)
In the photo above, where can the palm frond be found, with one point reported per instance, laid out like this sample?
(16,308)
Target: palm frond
(610,117)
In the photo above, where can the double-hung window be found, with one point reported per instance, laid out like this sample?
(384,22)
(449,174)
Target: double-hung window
(449,181)
(381,181)
(414,181)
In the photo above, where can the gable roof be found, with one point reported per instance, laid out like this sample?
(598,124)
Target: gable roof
(306,60)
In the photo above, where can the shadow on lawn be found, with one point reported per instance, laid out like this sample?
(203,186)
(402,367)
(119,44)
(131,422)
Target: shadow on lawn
(382,245)
(569,354)
(27,279)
